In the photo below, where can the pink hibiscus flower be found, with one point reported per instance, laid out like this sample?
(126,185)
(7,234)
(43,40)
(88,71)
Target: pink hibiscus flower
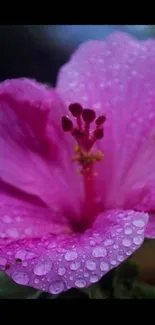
(60,228)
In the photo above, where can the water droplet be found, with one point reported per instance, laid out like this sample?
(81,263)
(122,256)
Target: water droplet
(6,219)
(92,243)
(80,283)
(71,256)
(20,278)
(115,246)
(52,245)
(90,265)
(104,266)
(25,254)
(36,281)
(56,287)
(139,232)
(113,262)
(61,270)
(128,231)
(139,223)
(86,275)
(94,278)
(126,242)
(138,240)
(108,242)
(120,258)
(13,233)
(42,268)
(75,266)
(99,251)
(3,261)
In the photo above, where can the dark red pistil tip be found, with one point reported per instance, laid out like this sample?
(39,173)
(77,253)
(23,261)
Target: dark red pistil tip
(76,109)
(88,115)
(67,124)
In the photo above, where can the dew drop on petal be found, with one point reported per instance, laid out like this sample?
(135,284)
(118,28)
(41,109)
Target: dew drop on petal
(86,275)
(90,265)
(99,251)
(94,278)
(75,266)
(61,270)
(138,240)
(71,256)
(139,232)
(126,242)
(20,278)
(113,262)
(120,258)
(104,266)
(115,246)
(42,268)
(13,233)
(128,231)
(139,223)
(80,283)
(108,242)
(36,281)
(56,287)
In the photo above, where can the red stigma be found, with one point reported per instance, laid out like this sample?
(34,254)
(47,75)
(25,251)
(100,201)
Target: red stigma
(67,124)
(88,115)
(76,109)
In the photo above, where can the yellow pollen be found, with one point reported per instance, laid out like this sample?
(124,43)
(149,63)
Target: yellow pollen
(86,159)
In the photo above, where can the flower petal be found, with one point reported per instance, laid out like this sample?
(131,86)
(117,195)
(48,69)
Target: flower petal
(76,260)
(150,229)
(35,155)
(116,77)
(26,217)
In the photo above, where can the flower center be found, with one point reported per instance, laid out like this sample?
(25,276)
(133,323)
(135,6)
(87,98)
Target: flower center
(86,137)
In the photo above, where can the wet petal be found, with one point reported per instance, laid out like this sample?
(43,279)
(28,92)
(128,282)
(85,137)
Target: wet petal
(35,155)
(116,77)
(75,260)
(26,217)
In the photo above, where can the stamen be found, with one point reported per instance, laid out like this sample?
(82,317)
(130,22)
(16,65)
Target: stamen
(67,124)
(99,133)
(100,120)
(88,115)
(76,109)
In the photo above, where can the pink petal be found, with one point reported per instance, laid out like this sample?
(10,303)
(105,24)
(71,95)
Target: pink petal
(57,263)
(116,76)
(150,228)
(25,217)
(35,155)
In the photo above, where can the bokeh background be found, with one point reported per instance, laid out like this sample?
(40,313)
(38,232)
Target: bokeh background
(38,52)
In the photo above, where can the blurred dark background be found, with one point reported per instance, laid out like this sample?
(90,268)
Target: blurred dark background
(38,51)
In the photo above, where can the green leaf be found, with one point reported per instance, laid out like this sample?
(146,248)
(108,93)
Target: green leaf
(126,284)
(11,290)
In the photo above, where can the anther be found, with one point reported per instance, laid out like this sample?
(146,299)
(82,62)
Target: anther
(99,133)
(88,115)
(100,120)
(67,124)
(76,109)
